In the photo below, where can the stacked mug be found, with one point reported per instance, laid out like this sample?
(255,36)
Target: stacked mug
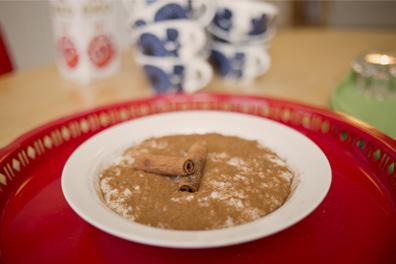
(241,32)
(171,43)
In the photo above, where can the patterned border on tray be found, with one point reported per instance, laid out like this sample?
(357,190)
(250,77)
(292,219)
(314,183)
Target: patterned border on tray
(290,114)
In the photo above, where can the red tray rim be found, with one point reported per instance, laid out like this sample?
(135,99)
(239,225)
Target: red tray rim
(382,143)
(365,127)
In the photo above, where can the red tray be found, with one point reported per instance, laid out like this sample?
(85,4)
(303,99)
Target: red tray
(356,223)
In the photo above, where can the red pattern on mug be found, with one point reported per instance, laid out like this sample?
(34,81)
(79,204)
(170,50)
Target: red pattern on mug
(100,50)
(68,51)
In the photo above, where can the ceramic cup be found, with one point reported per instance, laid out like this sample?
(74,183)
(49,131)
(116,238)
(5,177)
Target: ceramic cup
(243,21)
(169,75)
(239,62)
(171,39)
(144,12)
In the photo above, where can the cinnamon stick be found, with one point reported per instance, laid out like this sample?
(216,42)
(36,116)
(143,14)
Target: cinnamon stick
(197,153)
(164,165)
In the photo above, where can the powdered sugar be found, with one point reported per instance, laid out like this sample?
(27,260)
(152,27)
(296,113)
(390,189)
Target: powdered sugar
(108,191)
(186,198)
(189,197)
(275,159)
(127,192)
(115,199)
(275,201)
(286,175)
(158,144)
(234,202)
(117,171)
(215,195)
(229,196)
(252,213)
(217,157)
(238,163)
(203,202)
(220,185)
(229,222)
(241,195)
(123,160)
(241,178)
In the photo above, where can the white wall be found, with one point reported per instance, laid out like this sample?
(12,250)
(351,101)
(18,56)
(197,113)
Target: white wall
(27,24)
(28,31)
(371,14)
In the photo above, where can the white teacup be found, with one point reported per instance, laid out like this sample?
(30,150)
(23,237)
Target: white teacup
(143,12)
(171,39)
(169,75)
(243,21)
(239,62)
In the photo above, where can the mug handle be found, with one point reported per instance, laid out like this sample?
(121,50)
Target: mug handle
(206,17)
(262,62)
(197,76)
(258,63)
(197,38)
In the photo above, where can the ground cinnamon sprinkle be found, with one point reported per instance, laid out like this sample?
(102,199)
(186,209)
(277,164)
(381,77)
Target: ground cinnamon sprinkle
(242,181)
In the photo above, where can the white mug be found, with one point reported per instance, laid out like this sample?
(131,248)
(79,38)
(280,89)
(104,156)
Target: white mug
(143,12)
(171,39)
(243,21)
(86,36)
(169,75)
(239,62)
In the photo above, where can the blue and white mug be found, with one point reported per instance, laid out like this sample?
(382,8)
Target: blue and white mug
(171,39)
(143,12)
(239,62)
(170,75)
(243,21)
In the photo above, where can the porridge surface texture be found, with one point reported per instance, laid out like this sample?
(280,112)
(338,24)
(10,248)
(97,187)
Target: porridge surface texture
(242,181)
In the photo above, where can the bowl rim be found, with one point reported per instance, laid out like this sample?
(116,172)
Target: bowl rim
(192,239)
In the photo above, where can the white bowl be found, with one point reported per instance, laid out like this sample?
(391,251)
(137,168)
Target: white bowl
(80,175)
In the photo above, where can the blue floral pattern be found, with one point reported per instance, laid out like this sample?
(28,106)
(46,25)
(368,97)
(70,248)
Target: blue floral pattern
(164,82)
(149,2)
(178,71)
(171,11)
(158,78)
(223,19)
(139,23)
(151,45)
(190,6)
(172,35)
(168,12)
(258,25)
(230,67)
(221,63)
